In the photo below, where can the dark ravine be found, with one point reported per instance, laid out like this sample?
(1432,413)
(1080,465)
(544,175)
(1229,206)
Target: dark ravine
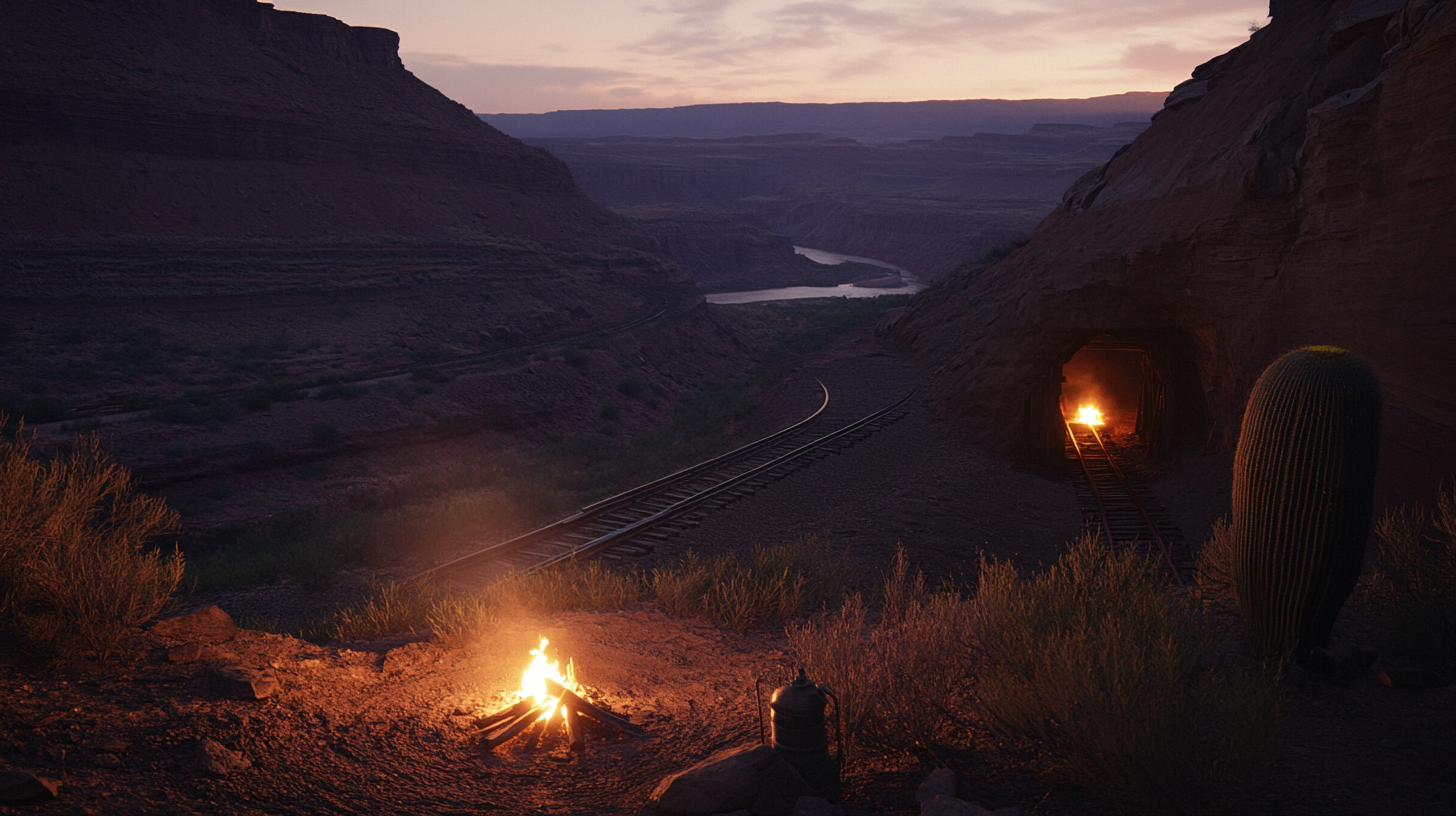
(924,205)
(1292,192)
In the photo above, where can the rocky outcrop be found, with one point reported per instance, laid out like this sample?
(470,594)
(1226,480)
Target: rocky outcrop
(1294,191)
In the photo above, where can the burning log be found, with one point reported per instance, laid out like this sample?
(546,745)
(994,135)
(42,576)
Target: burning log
(516,726)
(570,699)
(574,734)
(504,714)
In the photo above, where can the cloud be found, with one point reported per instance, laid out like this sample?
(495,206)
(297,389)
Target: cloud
(496,88)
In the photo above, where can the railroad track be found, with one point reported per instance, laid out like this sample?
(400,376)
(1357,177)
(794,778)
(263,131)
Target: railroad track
(1119,506)
(632,524)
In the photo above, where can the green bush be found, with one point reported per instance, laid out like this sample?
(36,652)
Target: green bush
(1099,662)
(632,387)
(76,570)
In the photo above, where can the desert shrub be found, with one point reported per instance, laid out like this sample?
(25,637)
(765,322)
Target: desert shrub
(611,412)
(44,409)
(391,607)
(896,676)
(770,584)
(1412,589)
(632,387)
(76,570)
(341,390)
(1100,663)
(588,585)
(1215,562)
(327,435)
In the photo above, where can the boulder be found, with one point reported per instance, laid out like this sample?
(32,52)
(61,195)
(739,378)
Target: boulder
(208,625)
(814,806)
(22,787)
(239,683)
(940,782)
(751,777)
(188,652)
(213,757)
(950,806)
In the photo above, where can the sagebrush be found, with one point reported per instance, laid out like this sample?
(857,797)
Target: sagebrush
(77,568)
(1103,665)
(1412,588)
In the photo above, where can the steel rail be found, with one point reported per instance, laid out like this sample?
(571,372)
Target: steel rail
(602,507)
(1127,490)
(597,545)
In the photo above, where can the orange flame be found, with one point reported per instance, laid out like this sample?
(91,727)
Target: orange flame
(1088,415)
(533,679)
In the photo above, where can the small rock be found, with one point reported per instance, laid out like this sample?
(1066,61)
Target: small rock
(114,747)
(751,777)
(950,806)
(108,760)
(208,625)
(1009,811)
(188,652)
(940,782)
(814,806)
(20,787)
(244,684)
(213,757)
(1412,679)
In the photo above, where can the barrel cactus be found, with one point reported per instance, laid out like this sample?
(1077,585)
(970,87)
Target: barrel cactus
(1304,483)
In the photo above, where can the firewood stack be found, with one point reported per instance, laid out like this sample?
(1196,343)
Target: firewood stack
(579,719)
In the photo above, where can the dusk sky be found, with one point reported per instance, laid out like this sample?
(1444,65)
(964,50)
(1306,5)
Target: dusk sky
(531,56)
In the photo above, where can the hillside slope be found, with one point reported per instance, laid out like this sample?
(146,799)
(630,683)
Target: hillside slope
(1294,191)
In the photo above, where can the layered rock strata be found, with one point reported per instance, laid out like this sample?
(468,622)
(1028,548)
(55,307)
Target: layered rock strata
(1293,191)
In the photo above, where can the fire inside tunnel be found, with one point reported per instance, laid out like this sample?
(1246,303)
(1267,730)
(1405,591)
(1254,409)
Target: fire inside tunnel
(1145,386)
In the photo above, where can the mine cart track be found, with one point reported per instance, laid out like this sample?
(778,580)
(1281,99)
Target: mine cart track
(632,524)
(1119,507)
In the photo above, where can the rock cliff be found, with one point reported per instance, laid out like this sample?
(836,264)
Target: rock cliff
(212,126)
(1293,191)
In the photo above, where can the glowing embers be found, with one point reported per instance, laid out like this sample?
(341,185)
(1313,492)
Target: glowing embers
(549,704)
(1088,415)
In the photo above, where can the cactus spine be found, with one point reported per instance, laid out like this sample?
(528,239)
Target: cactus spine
(1304,483)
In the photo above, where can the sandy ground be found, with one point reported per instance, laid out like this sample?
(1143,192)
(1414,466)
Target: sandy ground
(386,727)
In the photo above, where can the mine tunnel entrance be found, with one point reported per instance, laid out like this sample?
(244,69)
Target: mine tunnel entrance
(1145,386)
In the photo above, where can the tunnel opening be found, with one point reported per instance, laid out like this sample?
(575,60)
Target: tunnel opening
(1144,383)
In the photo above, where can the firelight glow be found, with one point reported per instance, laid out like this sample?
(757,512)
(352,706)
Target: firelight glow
(532,56)
(533,679)
(1088,415)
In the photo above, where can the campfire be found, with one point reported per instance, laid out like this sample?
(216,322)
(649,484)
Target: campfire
(550,703)
(1088,415)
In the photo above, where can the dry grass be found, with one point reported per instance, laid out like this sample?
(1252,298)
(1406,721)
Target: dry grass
(1100,663)
(772,584)
(587,585)
(897,676)
(76,568)
(1412,590)
(1215,562)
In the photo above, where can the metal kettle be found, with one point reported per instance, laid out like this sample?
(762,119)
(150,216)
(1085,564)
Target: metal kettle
(800,734)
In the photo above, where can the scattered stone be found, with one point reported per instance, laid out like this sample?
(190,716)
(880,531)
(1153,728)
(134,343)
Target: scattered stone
(751,777)
(950,806)
(208,625)
(188,652)
(114,747)
(814,806)
(244,684)
(211,756)
(21,788)
(940,782)
(406,658)
(1009,811)
(107,760)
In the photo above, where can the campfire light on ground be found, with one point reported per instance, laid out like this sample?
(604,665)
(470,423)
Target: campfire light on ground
(1088,415)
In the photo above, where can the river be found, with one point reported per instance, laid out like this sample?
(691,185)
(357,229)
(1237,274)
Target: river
(848,290)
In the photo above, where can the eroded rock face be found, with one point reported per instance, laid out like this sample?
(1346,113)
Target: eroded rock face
(1295,191)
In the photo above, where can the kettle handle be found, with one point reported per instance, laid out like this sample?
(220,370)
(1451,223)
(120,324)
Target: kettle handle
(838,730)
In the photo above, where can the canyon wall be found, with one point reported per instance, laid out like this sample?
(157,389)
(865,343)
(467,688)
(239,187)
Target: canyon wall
(1293,191)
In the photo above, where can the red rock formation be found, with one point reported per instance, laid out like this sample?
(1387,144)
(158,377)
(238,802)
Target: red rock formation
(194,125)
(1296,190)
